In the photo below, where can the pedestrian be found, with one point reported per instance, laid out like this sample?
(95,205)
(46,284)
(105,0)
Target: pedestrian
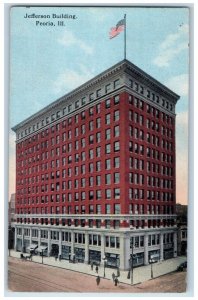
(92,265)
(98,280)
(113,276)
(116,281)
(97,269)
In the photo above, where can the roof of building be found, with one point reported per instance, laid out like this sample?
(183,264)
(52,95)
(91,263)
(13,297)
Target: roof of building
(126,65)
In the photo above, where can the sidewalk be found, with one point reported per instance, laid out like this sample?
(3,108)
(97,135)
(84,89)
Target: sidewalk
(140,274)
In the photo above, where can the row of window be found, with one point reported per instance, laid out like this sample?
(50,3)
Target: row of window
(139,194)
(67,110)
(150,95)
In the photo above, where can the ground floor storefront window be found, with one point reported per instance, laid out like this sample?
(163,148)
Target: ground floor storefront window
(66,250)
(79,254)
(113,260)
(94,257)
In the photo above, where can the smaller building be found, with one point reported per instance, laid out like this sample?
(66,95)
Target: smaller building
(182,215)
(11,209)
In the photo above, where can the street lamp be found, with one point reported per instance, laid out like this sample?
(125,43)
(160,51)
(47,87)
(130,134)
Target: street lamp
(105,261)
(151,261)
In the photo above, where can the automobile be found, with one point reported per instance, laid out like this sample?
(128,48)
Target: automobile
(182,266)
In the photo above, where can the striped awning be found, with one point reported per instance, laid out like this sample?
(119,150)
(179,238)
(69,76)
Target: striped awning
(41,248)
(32,247)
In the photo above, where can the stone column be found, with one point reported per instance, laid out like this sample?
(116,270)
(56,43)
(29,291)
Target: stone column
(49,242)
(161,246)
(30,235)
(60,242)
(72,244)
(39,237)
(102,248)
(15,239)
(86,248)
(175,244)
(22,241)
(146,249)
(124,251)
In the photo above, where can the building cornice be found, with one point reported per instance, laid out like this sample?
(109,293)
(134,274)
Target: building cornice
(125,66)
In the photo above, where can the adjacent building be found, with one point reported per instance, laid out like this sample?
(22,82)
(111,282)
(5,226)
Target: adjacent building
(11,210)
(95,172)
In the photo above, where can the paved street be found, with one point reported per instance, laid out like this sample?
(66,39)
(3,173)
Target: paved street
(25,276)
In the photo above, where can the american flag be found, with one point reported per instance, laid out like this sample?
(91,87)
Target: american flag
(120,26)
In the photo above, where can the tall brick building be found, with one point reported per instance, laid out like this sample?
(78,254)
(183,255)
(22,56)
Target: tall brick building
(95,172)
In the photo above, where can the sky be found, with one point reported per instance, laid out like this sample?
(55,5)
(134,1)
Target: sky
(47,62)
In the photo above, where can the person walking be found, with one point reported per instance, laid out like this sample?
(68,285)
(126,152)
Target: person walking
(98,280)
(113,276)
(92,265)
(97,269)
(116,281)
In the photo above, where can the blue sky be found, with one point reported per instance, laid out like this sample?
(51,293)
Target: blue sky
(49,61)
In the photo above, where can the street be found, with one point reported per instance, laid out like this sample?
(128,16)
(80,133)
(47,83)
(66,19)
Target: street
(25,276)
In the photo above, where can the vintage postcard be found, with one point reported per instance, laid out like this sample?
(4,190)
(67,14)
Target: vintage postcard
(98,152)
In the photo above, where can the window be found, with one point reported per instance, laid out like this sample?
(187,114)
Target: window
(108,164)
(116,146)
(116,116)
(91,195)
(108,194)
(107,208)
(77,104)
(98,180)
(98,194)
(99,93)
(107,148)
(117,209)
(98,166)
(116,177)
(107,119)
(98,137)
(108,134)
(83,101)
(91,97)
(98,151)
(117,193)
(116,83)
(117,99)
(107,88)
(108,103)
(98,122)
(108,179)
(116,162)
(116,131)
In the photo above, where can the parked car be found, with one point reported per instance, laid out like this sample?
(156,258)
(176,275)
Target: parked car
(182,266)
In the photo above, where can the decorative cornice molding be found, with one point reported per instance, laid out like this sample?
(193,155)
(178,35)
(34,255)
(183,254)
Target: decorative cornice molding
(125,66)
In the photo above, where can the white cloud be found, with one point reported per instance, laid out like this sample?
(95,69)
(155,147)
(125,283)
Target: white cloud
(71,79)
(179,84)
(172,45)
(68,39)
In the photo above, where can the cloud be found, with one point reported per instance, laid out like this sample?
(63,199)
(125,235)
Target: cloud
(179,84)
(71,79)
(173,44)
(68,39)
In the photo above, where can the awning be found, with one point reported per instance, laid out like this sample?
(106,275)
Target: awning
(32,247)
(41,248)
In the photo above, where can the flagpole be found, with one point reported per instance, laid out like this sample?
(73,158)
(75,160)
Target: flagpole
(125,36)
